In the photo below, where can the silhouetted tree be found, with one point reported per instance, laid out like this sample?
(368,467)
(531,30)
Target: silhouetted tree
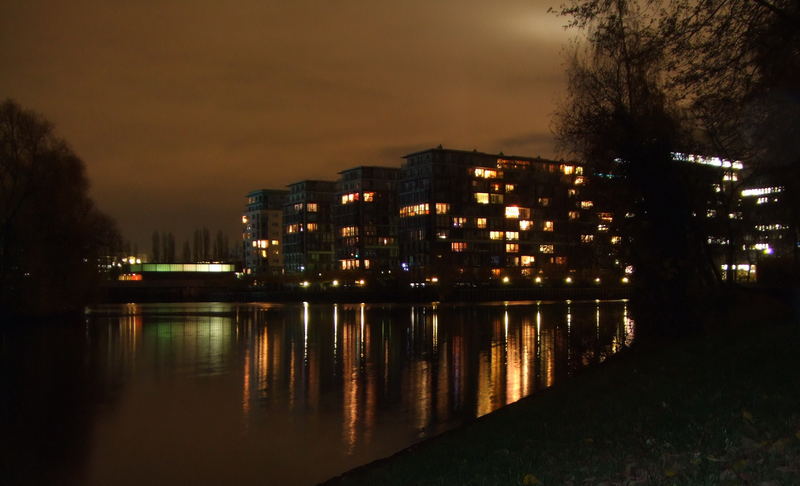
(206,245)
(198,245)
(51,234)
(187,252)
(156,247)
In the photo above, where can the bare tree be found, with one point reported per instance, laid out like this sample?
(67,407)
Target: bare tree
(51,234)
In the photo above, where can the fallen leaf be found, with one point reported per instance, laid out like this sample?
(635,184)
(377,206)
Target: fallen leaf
(530,480)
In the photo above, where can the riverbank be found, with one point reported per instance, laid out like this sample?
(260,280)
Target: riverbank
(722,409)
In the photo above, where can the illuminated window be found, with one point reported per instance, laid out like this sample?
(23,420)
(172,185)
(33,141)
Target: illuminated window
(525,224)
(512,248)
(587,238)
(545,248)
(544,201)
(311,207)
(482,197)
(349,231)
(298,207)
(615,240)
(369,197)
(586,204)
(311,226)
(263,253)
(495,187)
(442,235)
(568,169)
(512,212)
(579,170)
(261,243)
(510,187)
(607,217)
(496,235)
(512,235)
(574,215)
(480,222)
(414,210)
(349,264)
(579,180)
(572,192)
(527,260)
(496,272)
(561,260)
(547,226)
(275,242)
(459,222)
(485,173)
(442,208)
(292,228)
(602,227)
(244,219)
(458,246)
(349,198)
(496,198)
(366,263)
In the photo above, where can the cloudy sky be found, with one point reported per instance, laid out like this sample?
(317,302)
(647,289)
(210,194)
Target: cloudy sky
(179,107)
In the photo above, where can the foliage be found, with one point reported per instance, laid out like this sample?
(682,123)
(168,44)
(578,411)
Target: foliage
(51,234)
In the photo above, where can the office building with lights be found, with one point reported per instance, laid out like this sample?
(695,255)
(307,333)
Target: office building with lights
(308,230)
(262,232)
(365,220)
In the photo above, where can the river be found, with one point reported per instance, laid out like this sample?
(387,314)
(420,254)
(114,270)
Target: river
(284,394)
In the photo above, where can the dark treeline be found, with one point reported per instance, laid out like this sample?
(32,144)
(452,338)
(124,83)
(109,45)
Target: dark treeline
(52,237)
(201,249)
(655,78)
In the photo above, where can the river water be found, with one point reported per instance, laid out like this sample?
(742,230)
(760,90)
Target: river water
(220,393)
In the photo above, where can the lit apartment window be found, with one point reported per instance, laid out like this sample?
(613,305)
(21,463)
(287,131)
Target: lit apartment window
(496,198)
(459,222)
(547,226)
(292,228)
(510,187)
(579,180)
(496,235)
(414,210)
(480,222)
(485,173)
(369,197)
(442,208)
(311,207)
(568,169)
(349,198)
(587,238)
(442,235)
(525,224)
(615,240)
(527,260)
(544,201)
(275,242)
(366,264)
(349,231)
(298,207)
(512,248)
(244,219)
(607,217)
(482,197)
(579,170)
(512,212)
(349,264)
(311,226)
(561,260)
(545,248)
(574,215)
(458,246)
(602,227)
(512,235)
(586,204)
(572,192)
(262,243)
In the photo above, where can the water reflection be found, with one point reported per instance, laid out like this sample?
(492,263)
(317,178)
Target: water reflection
(258,392)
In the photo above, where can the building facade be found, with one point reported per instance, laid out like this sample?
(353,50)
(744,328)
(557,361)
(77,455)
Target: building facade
(308,229)
(365,220)
(262,233)
(472,216)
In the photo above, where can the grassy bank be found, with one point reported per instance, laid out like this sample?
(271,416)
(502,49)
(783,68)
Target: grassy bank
(724,409)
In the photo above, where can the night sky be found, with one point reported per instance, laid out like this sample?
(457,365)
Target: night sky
(180,107)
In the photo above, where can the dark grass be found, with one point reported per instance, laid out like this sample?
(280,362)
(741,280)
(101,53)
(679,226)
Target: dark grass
(721,409)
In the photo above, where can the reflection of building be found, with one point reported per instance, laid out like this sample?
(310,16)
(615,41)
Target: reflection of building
(477,216)
(365,219)
(308,232)
(262,232)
